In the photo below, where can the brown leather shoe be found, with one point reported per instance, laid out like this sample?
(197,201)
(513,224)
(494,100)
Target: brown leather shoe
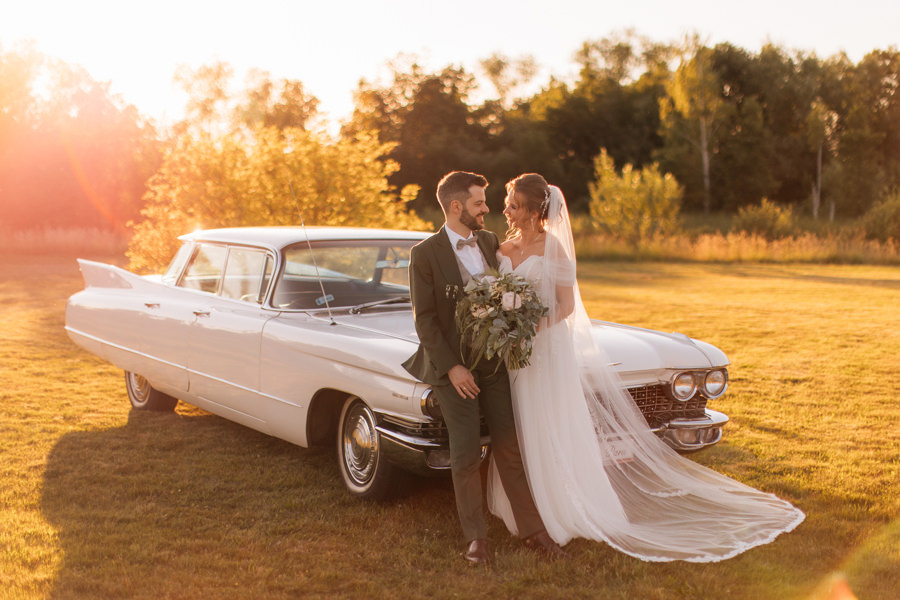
(477,553)
(541,543)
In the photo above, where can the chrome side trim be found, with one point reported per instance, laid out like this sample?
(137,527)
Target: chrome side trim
(410,441)
(72,330)
(179,366)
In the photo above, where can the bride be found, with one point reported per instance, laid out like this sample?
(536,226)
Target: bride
(570,406)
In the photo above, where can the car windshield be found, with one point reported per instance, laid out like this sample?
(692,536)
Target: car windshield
(352,272)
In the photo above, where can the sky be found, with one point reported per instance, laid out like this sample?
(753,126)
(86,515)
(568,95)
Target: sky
(329,45)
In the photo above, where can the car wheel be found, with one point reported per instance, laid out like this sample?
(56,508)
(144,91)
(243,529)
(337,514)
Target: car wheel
(366,472)
(144,397)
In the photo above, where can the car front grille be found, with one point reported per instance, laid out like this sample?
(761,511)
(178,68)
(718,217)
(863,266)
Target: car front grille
(652,400)
(658,408)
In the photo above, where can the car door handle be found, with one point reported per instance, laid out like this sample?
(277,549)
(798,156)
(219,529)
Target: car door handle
(201,313)
(151,304)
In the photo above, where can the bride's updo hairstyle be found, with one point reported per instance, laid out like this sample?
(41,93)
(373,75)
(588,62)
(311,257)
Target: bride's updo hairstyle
(533,192)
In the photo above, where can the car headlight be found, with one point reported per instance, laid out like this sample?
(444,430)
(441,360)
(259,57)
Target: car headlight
(684,386)
(715,383)
(430,405)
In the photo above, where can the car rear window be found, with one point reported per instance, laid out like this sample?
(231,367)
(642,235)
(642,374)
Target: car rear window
(204,272)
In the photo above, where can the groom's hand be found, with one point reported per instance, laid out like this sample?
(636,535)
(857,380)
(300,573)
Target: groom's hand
(463,381)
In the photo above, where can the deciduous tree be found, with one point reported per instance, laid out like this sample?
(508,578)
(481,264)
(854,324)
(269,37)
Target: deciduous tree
(636,205)
(280,104)
(427,116)
(693,104)
(75,156)
(230,180)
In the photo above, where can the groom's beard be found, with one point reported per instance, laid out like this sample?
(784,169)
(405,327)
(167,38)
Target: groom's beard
(469,220)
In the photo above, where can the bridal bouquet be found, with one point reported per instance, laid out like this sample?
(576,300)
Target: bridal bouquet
(497,315)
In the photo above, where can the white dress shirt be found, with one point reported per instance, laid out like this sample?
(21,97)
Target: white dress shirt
(470,256)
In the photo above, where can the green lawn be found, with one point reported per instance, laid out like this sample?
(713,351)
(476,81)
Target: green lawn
(99,502)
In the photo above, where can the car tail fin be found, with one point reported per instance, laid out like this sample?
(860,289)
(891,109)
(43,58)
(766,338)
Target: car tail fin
(97,274)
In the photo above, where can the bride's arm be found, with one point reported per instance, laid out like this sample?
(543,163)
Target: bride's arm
(565,301)
(562,308)
(564,276)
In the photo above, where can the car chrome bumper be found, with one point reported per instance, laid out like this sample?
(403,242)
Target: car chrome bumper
(686,435)
(424,455)
(419,454)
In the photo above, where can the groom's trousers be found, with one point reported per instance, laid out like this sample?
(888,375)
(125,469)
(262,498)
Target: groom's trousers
(461,416)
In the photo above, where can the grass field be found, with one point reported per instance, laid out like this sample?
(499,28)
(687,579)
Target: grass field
(99,502)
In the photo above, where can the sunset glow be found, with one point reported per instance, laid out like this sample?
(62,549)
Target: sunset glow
(137,47)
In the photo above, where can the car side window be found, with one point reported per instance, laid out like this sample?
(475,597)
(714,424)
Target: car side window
(246,274)
(204,272)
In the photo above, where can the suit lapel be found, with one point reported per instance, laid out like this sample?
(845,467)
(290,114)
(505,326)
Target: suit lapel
(446,258)
(490,256)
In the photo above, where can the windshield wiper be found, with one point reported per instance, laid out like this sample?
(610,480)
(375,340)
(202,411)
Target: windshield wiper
(361,307)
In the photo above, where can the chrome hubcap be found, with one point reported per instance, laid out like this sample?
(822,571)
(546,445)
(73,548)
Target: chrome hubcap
(360,443)
(140,387)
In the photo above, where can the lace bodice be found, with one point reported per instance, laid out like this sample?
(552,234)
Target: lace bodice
(533,269)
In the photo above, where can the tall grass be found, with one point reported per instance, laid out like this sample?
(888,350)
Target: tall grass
(712,239)
(741,247)
(704,240)
(102,503)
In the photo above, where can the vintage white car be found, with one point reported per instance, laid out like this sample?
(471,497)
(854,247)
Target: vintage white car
(300,334)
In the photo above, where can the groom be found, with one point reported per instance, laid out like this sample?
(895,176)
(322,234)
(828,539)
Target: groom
(439,267)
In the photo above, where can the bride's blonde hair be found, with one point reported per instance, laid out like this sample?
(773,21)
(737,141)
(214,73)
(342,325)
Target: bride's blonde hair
(533,192)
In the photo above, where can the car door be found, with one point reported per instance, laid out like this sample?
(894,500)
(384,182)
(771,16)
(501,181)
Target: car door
(223,353)
(164,314)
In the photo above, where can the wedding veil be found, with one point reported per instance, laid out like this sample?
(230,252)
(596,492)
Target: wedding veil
(655,504)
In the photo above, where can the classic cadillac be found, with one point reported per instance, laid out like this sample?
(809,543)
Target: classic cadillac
(300,334)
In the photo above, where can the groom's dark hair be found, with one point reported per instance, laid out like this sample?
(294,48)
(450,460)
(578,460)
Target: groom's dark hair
(455,186)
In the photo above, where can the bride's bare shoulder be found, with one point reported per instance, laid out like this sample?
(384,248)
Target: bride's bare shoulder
(506,247)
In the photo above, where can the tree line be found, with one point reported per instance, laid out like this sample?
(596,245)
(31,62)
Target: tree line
(730,125)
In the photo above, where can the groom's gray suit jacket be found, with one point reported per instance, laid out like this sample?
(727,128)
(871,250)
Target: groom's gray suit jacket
(435,284)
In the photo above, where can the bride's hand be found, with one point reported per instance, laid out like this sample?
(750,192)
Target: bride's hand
(542,324)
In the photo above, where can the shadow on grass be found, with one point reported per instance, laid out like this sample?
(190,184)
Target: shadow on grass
(175,505)
(773,272)
(189,505)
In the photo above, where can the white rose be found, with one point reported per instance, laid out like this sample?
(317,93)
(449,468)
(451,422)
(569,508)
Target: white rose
(510,301)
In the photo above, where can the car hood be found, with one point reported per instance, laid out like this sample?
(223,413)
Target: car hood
(629,348)
(637,349)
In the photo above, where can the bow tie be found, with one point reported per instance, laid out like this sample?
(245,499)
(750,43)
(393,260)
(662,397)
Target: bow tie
(472,241)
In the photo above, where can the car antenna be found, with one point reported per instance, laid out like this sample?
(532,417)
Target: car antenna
(324,298)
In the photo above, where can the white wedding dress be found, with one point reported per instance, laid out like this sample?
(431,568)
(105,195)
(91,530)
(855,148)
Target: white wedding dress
(575,419)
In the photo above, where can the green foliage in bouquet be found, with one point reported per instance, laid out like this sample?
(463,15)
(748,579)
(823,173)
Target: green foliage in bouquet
(498,315)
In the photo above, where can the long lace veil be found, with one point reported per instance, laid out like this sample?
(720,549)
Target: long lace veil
(662,506)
